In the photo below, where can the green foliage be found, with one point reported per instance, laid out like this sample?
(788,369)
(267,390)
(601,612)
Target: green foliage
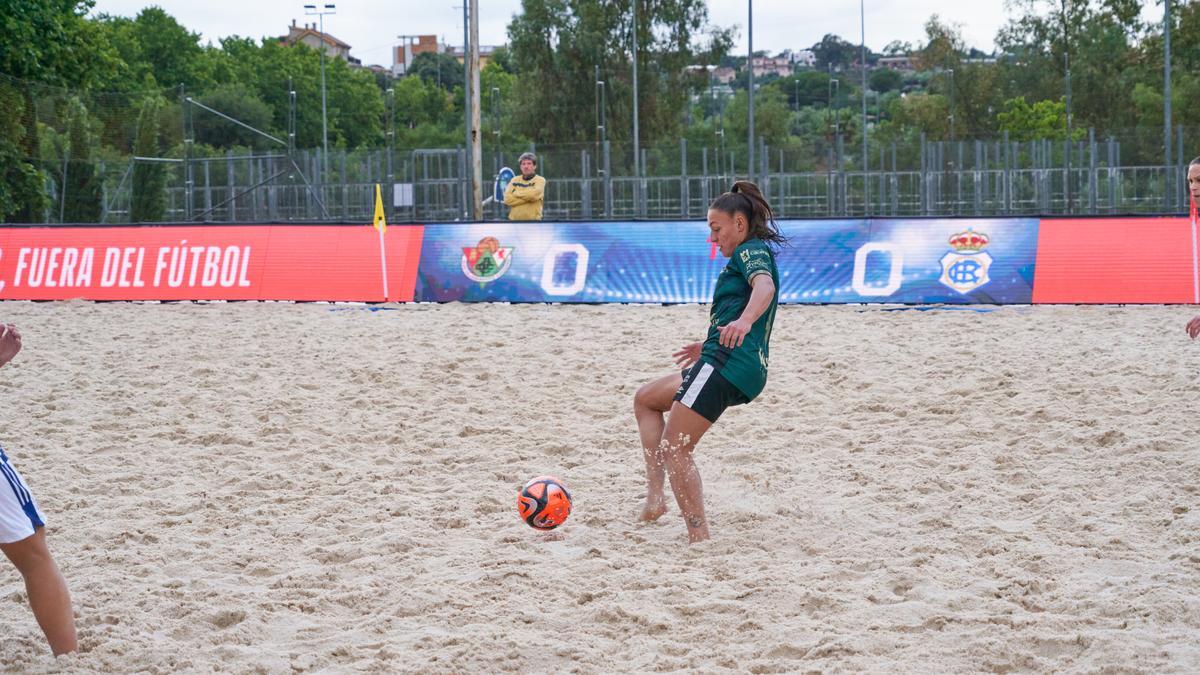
(771,116)
(832,52)
(81,202)
(149,178)
(557,46)
(238,102)
(1043,119)
(22,197)
(440,69)
(884,80)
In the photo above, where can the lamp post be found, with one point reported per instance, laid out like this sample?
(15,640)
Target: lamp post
(1167,85)
(637,153)
(750,89)
(951,104)
(834,86)
(312,10)
(862,15)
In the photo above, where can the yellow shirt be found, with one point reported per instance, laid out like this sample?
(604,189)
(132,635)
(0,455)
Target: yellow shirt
(525,197)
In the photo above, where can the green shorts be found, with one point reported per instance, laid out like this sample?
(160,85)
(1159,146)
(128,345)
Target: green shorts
(705,391)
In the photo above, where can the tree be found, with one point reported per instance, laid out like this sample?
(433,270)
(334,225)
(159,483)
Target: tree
(884,80)
(149,180)
(438,68)
(557,45)
(832,52)
(82,185)
(804,88)
(22,197)
(238,102)
(943,48)
(771,117)
(1092,37)
(1042,120)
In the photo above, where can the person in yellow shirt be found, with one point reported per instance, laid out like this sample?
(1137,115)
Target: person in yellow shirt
(525,192)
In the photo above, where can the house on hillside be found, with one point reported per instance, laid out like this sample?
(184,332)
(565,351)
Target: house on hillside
(403,54)
(309,35)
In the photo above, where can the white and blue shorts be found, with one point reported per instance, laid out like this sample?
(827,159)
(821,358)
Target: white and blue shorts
(19,514)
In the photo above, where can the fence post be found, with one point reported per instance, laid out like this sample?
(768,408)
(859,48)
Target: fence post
(683,179)
(585,185)
(704,188)
(1091,170)
(608,187)
(921,180)
(1179,173)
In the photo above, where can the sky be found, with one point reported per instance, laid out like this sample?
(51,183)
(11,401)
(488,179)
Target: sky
(371,26)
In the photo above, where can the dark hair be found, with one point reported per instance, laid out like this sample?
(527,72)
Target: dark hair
(745,198)
(1194,162)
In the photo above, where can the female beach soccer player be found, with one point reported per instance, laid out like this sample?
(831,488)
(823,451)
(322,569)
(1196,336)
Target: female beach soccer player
(729,368)
(23,540)
(1193,183)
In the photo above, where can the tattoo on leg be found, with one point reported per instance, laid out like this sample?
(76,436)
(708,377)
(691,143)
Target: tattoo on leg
(695,521)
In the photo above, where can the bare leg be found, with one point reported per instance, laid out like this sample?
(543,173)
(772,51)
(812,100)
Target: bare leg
(649,404)
(48,595)
(684,430)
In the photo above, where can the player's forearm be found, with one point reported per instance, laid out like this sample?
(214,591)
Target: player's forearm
(763,289)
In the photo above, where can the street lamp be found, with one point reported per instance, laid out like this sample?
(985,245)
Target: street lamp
(750,89)
(951,104)
(834,86)
(311,10)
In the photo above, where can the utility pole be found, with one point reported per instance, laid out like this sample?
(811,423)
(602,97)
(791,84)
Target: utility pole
(310,10)
(474,124)
(637,151)
(468,212)
(750,90)
(1167,84)
(862,15)
(407,46)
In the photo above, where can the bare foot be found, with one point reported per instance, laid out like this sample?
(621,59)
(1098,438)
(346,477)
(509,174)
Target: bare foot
(653,510)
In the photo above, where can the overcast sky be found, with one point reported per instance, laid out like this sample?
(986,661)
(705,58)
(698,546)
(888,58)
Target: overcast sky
(371,26)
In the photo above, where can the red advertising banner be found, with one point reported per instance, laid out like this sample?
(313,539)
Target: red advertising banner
(240,262)
(1114,260)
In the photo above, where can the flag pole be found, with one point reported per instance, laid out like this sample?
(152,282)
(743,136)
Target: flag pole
(381,225)
(1195,256)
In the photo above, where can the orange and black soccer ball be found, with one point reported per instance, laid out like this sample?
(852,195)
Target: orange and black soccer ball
(544,503)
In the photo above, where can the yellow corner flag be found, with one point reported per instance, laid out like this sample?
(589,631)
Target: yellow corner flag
(380,222)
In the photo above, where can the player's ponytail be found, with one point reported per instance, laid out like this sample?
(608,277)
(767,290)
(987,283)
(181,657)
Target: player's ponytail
(745,198)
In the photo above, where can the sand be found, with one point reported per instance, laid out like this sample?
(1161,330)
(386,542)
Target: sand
(275,487)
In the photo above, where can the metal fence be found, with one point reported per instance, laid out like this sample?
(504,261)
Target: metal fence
(968,178)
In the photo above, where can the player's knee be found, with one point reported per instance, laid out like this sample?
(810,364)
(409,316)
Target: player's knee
(29,556)
(643,397)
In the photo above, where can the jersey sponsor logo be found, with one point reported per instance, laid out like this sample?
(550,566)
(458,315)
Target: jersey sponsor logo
(966,267)
(486,261)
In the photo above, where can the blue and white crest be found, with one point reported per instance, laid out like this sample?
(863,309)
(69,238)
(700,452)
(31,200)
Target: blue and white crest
(964,272)
(966,267)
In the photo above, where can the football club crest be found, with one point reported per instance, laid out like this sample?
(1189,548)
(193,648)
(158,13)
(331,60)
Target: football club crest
(486,261)
(966,267)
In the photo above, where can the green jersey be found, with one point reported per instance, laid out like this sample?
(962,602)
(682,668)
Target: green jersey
(745,367)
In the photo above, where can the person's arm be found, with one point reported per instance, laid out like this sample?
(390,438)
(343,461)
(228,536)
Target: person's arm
(536,191)
(510,195)
(10,342)
(762,291)
(1193,327)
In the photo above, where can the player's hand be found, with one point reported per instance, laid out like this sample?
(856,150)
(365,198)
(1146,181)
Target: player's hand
(1193,327)
(734,332)
(10,342)
(688,354)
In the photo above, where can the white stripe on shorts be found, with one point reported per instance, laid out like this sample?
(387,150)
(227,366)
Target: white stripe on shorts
(693,391)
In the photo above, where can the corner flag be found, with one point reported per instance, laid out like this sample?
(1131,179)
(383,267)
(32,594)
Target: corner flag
(381,225)
(380,222)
